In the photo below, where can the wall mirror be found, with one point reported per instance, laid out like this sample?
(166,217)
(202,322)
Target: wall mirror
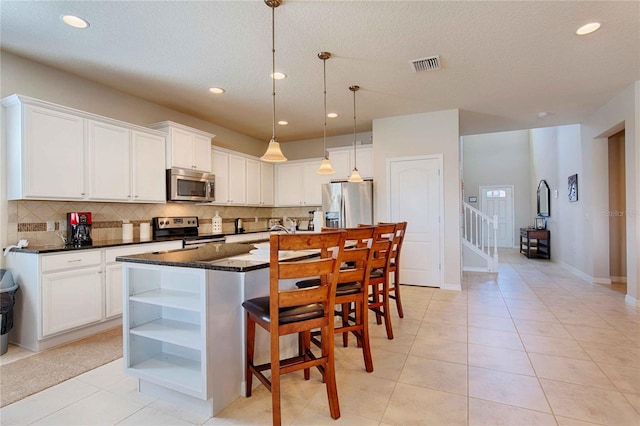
(544,199)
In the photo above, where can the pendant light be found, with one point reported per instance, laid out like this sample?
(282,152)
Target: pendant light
(355,175)
(273,153)
(325,165)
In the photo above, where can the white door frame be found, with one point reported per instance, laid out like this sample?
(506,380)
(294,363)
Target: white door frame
(439,158)
(482,188)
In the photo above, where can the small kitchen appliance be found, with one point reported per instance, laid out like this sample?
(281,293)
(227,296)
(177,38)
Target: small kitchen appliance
(238,226)
(79,229)
(185,227)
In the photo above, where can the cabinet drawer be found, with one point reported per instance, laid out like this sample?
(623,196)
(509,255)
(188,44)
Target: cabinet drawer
(539,234)
(77,259)
(111,254)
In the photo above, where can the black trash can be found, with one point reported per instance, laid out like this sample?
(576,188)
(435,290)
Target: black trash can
(8,291)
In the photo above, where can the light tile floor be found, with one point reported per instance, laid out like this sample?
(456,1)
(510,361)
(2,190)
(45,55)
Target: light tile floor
(532,345)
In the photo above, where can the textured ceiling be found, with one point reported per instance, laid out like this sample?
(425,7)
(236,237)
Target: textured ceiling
(502,62)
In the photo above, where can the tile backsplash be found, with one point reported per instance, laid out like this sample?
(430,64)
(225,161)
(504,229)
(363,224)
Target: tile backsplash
(29,219)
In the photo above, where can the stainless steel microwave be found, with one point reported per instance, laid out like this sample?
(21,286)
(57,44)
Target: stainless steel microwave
(189,185)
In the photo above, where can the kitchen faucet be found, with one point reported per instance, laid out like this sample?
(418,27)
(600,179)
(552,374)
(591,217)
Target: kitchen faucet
(279,227)
(293,226)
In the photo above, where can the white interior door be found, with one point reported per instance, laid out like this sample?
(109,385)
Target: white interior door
(415,195)
(498,200)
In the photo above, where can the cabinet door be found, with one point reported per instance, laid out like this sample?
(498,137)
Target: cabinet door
(254,184)
(266,184)
(312,192)
(148,172)
(201,153)
(182,149)
(109,162)
(220,162)
(364,157)
(113,290)
(54,155)
(289,184)
(71,299)
(237,179)
(341,163)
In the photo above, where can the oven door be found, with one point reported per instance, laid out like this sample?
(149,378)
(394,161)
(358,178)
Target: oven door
(186,185)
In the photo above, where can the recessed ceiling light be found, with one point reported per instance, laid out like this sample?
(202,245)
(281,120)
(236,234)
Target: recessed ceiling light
(332,115)
(588,28)
(279,76)
(75,21)
(216,90)
(283,122)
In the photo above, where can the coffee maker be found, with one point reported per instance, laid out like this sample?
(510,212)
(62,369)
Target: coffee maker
(79,229)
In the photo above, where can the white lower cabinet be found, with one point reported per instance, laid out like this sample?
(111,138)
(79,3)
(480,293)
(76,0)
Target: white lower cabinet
(71,299)
(65,296)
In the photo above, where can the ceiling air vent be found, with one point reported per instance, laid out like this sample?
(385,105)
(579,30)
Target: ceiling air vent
(431,63)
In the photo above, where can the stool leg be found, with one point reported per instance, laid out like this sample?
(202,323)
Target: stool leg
(396,286)
(251,335)
(304,343)
(385,304)
(345,322)
(330,372)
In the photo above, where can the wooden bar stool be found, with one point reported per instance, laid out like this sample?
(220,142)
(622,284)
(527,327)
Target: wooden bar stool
(297,311)
(394,266)
(379,278)
(352,289)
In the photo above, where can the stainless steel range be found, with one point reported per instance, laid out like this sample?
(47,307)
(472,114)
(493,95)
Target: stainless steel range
(185,227)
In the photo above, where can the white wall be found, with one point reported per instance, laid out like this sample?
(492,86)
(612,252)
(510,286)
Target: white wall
(556,154)
(501,159)
(313,148)
(25,77)
(623,111)
(423,134)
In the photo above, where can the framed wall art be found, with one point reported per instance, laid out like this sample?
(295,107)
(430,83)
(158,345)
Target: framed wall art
(573,188)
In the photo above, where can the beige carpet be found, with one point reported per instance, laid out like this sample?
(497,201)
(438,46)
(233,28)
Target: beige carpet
(34,373)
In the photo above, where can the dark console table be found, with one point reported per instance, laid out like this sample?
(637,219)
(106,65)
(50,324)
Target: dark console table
(535,243)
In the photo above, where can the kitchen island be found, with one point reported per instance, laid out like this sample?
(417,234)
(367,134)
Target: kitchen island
(183,323)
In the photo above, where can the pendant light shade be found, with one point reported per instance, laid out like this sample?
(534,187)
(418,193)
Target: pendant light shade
(355,175)
(325,165)
(273,153)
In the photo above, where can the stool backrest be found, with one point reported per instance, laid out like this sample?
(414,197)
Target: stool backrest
(331,248)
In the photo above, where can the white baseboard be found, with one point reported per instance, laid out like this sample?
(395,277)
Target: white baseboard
(601,280)
(619,279)
(629,300)
(454,287)
(588,278)
(475,269)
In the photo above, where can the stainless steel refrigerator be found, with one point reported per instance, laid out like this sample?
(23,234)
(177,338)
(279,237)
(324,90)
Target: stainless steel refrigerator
(346,205)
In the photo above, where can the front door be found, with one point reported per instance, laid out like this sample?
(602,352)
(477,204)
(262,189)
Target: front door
(415,195)
(498,200)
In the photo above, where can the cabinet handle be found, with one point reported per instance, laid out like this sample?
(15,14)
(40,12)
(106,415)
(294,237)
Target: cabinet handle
(74,260)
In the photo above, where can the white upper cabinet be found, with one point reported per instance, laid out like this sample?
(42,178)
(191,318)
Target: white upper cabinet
(230,177)
(58,153)
(254,182)
(298,184)
(241,179)
(125,165)
(342,160)
(148,169)
(266,184)
(109,161)
(187,148)
(45,152)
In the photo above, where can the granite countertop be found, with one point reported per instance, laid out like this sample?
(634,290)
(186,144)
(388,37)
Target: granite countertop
(232,257)
(216,256)
(59,247)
